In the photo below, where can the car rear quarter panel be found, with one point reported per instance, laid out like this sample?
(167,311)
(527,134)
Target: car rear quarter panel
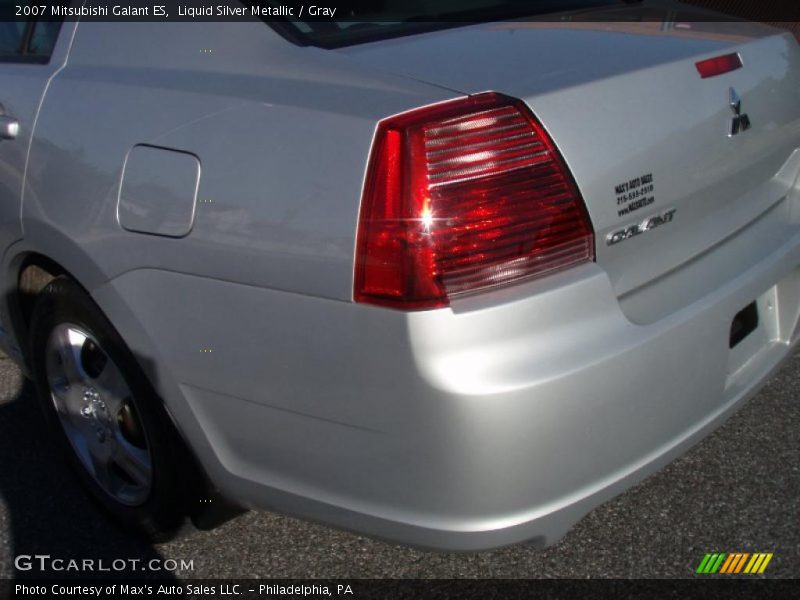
(282,134)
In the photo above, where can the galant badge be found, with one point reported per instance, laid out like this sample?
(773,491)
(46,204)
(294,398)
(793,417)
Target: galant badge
(639,228)
(740,122)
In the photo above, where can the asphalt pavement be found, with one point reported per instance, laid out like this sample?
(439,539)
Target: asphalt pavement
(737,491)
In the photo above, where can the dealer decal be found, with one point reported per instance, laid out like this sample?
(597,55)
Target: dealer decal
(635,194)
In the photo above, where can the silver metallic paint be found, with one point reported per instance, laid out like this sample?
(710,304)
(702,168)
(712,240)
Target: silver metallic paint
(158,191)
(503,418)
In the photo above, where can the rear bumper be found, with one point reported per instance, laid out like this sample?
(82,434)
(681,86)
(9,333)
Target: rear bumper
(504,419)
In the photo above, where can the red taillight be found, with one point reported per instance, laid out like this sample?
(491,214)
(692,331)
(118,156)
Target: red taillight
(463,196)
(719,65)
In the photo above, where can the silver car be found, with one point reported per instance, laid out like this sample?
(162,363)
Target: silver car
(447,284)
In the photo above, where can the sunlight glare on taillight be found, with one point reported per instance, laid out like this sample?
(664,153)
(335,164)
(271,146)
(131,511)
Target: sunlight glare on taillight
(461,197)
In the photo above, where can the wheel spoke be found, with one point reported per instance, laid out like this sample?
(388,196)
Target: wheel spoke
(68,403)
(81,445)
(95,457)
(63,393)
(112,387)
(135,462)
(102,473)
(70,341)
(61,374)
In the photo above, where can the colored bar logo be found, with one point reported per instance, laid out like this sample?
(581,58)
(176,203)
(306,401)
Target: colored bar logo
(734,563)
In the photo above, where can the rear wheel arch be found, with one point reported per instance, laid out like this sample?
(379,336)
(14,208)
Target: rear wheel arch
(30,272)
(86,378)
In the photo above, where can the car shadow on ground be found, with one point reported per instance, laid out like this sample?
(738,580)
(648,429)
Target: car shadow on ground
(46,510)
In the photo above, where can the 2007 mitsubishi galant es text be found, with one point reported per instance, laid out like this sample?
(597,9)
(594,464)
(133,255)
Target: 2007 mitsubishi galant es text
(449,285)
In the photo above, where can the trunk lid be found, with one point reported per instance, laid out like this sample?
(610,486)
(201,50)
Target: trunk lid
(644,135)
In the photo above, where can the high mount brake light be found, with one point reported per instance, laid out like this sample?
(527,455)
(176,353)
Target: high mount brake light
(464,196)
(719,65)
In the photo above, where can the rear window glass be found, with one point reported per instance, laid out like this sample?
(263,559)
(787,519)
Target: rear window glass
(43,38)
(12,34)
(381,19)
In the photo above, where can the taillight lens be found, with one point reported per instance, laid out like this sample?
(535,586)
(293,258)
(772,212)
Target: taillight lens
(464,196)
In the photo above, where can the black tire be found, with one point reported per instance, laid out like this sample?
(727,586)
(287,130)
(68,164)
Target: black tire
(160,515)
